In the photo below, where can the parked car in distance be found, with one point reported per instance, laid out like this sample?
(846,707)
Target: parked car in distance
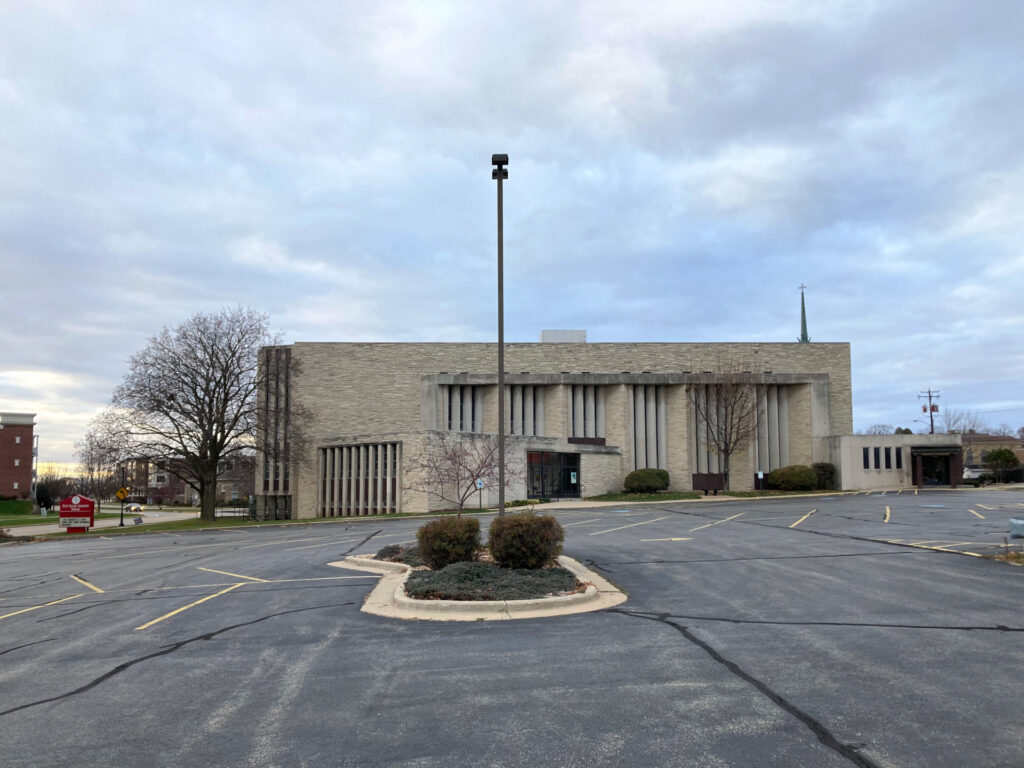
(133,508)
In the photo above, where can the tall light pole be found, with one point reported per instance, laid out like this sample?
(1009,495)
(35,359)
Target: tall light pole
(500,173)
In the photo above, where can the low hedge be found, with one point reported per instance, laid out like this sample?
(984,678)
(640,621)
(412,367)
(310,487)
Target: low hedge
(826,474)
(483,581)
(646,481)
(793,478)
(449,540)
(525,540)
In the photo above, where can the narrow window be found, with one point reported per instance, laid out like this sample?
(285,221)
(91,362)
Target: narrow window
(888,457)
(867,463)
(17,462)
(17,439)
(878,455)
(15,486)
(899,458)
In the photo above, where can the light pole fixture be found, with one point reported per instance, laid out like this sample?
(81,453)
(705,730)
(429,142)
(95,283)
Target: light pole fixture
(500,173)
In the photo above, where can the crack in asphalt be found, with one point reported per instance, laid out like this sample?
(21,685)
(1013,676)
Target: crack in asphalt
(26,645)
(825,736)
(163,652)
(864,624)
(356,546)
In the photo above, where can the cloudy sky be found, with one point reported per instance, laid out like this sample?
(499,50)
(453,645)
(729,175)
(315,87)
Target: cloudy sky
(677,169)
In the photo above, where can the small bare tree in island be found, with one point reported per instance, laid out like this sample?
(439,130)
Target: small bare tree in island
(453,463)
(188,400)
(726,408)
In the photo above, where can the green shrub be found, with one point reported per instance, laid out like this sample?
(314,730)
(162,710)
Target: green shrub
(646,480)
(794,478)
(449,540)
(826,473)
(483,581)
(525,540)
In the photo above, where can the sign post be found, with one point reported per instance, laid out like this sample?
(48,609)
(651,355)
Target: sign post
(122,494)
(77,514)
(480,493)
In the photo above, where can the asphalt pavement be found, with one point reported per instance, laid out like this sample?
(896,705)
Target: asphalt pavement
(823,631)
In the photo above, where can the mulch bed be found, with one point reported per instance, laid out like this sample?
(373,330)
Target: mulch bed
(481,579)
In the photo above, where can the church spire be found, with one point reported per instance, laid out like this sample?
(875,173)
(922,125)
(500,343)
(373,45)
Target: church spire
(804,338)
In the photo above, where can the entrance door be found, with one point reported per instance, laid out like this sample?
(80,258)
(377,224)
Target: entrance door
(553,475)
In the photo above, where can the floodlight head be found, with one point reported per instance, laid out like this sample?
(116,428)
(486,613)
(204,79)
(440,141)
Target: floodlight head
(499,159)
(499,172)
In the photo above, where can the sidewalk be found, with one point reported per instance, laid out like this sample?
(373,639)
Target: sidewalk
(148,518)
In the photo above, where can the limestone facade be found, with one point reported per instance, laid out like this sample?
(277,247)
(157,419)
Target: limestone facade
(615,406)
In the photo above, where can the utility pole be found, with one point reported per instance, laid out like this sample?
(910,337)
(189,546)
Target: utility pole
(931,408)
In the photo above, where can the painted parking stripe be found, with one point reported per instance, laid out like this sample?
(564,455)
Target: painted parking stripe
(228,573)
(190,605)
(85,583)
(990,509)
(36,607)
(976,514)
(631,525)
(794,525)
(581,522)
(675,538)
(717,522)
(887,514)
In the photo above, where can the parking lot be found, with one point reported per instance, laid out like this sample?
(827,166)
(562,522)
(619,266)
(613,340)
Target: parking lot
(822,631)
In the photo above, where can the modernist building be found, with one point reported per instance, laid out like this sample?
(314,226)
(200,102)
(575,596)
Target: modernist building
(19,452)
(346,424)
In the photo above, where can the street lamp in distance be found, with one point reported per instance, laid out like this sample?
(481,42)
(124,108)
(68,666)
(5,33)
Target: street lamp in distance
(499,174)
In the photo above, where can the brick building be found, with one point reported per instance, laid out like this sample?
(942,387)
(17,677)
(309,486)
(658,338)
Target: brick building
(346,423)
(18,455)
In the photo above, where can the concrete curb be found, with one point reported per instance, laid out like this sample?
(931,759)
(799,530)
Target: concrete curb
(388,598)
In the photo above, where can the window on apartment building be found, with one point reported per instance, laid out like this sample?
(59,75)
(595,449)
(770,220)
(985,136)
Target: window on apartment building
(888,457)
(867,455)
(17,462)
(878,455)
(899,458)
(17,439)
(15,486)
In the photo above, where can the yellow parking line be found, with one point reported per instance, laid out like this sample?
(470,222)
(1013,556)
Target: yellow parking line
(900,491)
(990,509)
(631,525)
(190,605)
(35,607)
(976,514)
(944,549)
(887,513)
(328,543)
(794,525)
(915,491)
(581,522)
(228,573)
(717,522)
(85,583)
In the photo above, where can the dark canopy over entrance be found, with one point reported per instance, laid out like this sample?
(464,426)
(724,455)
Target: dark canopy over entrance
(937,465)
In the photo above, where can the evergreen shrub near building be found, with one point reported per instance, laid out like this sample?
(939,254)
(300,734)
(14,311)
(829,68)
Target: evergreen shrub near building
(483,581)
(525,540)
(449,540)
(826,473)
(646,481)
(793,478)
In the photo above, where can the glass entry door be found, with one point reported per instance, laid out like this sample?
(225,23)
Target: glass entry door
(553,475)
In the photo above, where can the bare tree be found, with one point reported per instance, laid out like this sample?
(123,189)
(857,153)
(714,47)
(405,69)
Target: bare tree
(188,400)
(455,461)
(962,422)
(880,429)
(727,407)
(98,457)
(1004,430)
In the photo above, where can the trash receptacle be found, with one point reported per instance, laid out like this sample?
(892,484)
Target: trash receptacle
(1016,528)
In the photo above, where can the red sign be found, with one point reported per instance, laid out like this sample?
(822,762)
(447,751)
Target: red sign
(77,514)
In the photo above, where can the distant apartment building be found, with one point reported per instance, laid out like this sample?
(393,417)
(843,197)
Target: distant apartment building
(19,452)
(165,481)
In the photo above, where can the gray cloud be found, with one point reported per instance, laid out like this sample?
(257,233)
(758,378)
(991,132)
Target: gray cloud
(677,170)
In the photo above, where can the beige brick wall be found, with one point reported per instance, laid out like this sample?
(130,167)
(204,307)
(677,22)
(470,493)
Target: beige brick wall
(373,389)
(800,442)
